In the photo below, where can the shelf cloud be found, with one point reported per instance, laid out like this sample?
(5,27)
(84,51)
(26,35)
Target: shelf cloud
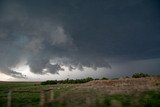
(76,34)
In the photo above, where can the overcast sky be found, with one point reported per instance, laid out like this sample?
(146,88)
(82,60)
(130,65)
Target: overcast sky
(59,39)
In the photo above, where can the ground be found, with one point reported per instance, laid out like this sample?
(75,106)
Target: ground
(128,92)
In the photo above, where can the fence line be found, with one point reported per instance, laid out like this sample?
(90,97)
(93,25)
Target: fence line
(43,97)
(9,97)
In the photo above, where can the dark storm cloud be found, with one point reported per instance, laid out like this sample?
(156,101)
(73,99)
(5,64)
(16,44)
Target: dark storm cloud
(9,57)
(51,34)
(118,28)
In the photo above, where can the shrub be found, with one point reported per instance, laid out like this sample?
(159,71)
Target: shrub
(67,81)
(139,75)
(104,78)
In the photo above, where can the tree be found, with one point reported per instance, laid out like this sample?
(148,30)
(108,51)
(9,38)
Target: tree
(139,75)
(104,78)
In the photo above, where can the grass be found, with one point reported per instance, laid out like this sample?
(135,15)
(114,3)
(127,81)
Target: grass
(140,99)
(68,95)
(144,99)
(151,99)
(25,98)
(22,99)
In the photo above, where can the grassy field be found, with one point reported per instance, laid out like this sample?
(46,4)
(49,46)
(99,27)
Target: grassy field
(27,99)
(143,92)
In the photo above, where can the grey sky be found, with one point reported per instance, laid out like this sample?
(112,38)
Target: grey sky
(119,36)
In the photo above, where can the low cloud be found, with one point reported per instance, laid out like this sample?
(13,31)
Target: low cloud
(38,41)
(9,71)
(75,35)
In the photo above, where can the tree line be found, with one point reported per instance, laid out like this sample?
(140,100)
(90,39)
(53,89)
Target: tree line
(78,81)
(70,81)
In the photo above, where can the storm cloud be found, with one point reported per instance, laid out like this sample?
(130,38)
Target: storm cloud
(51,34)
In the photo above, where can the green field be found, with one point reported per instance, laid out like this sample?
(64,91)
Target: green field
(77,95)
(27,99)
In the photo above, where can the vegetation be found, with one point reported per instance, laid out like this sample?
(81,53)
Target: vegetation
(71,81)
(68,93)
(67,81)
(139,75)
(145,99)
(26,99)
(104,78)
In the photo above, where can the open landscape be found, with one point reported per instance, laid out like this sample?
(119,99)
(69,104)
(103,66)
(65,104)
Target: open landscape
(79,53)
(124,92)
